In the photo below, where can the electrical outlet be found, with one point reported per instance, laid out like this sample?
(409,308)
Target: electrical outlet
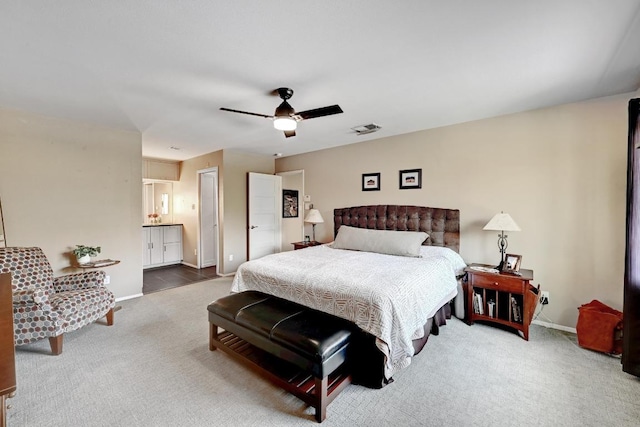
(544,297)
(107,280)
(195,251)
(230,257)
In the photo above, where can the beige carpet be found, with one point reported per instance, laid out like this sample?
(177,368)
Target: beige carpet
(153,368)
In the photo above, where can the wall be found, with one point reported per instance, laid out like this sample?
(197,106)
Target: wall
(232,203)
(186,206)
(236,167)
(64,183)
(560,172)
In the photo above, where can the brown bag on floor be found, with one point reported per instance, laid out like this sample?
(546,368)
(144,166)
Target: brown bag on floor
(599,328)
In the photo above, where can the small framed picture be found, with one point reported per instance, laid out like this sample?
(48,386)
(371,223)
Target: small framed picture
(410,178)
(289,203)
(511,263)
(371,181)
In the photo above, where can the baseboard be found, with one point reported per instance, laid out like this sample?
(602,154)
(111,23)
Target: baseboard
(225,274)
(189,264)
(129,297)
(554,326)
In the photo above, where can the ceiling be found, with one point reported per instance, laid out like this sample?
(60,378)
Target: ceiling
(165,67)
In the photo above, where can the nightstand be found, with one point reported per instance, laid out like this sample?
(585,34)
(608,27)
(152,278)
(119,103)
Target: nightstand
(302,245)
(502,298)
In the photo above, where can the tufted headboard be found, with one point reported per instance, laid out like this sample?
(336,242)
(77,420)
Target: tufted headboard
(442,225)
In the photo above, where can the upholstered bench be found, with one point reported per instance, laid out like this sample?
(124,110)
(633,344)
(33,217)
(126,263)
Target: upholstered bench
(302,350)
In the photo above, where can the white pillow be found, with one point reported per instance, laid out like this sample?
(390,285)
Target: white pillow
(402,243)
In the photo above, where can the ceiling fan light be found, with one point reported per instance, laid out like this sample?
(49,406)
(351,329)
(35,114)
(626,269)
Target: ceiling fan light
(285,123)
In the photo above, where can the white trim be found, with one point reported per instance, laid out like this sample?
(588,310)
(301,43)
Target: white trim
(189,264)
(225,274)
(216,184)
(554,326)
(301,205)
(129,297)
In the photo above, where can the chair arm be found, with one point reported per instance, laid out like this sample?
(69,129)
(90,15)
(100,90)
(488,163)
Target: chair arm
(31,296)
(84,280)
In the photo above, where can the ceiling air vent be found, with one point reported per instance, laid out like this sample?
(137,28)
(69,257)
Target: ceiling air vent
(365,129)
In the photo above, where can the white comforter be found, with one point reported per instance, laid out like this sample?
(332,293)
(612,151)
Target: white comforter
(389,296)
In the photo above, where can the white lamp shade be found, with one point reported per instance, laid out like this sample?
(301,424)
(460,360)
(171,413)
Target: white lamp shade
(502,222)
(313,217)
(285,123)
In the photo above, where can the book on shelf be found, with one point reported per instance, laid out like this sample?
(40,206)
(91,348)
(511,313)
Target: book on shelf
(515,307)
(478,307)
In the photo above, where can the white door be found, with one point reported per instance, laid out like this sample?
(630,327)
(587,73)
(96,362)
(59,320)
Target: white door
(208,219)
(265,194)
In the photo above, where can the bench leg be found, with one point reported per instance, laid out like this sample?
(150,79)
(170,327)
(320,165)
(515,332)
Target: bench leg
(322,398)
(213,335)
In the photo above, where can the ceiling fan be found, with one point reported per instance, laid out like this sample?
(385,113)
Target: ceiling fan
(285,118)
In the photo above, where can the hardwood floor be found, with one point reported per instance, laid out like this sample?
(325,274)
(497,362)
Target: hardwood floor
(161,278)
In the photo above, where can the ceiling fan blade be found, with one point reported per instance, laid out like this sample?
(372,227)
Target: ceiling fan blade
(246,112)
(320,112)
(289,133)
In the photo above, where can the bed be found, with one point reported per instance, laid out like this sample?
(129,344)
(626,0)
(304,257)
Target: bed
(392,270)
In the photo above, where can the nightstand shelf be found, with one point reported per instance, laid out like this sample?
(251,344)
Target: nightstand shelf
(501,298)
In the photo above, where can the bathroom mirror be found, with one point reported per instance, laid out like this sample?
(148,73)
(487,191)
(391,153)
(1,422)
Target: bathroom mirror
(157,202)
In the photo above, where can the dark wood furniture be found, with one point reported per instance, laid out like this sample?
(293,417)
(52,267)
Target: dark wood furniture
(631,309)
(514,298)
(304,351)
(7,349)
(302,245)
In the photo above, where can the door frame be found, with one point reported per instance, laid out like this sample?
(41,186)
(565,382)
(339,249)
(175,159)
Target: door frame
(216,209)
(285,244)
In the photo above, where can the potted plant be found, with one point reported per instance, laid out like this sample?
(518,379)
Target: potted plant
(84,253)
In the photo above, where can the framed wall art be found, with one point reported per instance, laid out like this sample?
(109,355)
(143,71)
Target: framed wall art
(371,181)
(289,203)
(410,178)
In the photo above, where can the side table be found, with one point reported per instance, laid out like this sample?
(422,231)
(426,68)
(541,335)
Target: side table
(502,298)
(302,245)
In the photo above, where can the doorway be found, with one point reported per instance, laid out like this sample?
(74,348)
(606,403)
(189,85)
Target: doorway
(263,206)
(293,227)
(208,218)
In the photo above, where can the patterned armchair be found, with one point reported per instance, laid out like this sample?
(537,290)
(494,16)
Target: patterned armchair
(45,306)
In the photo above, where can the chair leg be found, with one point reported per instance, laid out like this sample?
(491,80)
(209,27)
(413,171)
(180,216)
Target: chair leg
(56,344)
(110,317)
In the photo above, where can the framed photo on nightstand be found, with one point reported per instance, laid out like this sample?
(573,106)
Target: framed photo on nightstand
(511,263)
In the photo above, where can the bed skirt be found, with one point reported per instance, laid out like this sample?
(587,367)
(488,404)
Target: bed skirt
(368,369)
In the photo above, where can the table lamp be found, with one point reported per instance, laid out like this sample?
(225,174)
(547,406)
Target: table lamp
(314,217)
(502,222)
